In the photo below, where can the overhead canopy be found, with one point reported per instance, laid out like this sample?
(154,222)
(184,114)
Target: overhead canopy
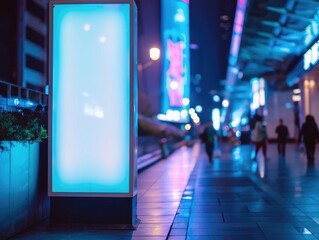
(276,34)
(270,38)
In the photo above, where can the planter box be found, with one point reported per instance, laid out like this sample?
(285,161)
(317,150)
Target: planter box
(23,191)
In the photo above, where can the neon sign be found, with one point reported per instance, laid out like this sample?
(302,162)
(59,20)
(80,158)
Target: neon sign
(175,36)
(175,73)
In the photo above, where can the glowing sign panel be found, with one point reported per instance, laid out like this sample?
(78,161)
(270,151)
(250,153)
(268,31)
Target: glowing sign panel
(91,99)
(175,36)
(311,57)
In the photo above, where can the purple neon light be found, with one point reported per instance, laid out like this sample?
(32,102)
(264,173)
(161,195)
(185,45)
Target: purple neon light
(238,28)
(175,72)
(236,43)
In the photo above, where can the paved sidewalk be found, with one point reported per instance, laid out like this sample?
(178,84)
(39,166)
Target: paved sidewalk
(231,198)
(160,188)
(235,198)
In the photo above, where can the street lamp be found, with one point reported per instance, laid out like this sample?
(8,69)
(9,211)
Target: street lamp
(154,56)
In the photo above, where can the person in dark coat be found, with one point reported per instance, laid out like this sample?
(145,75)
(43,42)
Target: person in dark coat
(309,134)
(208,138)
(282,136)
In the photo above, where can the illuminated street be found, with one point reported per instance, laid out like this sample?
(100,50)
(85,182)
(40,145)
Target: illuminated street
(231,198)
(159,119)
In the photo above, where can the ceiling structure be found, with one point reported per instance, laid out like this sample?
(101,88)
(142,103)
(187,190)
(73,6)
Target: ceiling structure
(274,35)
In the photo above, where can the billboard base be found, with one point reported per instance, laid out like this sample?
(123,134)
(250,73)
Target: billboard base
(114,212)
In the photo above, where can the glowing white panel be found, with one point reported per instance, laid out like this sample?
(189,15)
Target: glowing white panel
(216,118)
(314,53)
(255,103)
(307,59)
(262,100)
(91,98)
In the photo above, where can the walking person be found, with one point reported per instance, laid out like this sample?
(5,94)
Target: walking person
(208,138)
(309,134)
(259,137)
(282,136)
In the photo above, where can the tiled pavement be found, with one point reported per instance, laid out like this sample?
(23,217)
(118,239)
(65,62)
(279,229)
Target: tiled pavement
(234,198)
(231,198)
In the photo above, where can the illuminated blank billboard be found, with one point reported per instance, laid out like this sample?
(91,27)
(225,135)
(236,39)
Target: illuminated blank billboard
(175,38)
(92,125)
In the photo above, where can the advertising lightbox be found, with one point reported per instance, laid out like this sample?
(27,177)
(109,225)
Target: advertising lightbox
(92,112)
(176,72)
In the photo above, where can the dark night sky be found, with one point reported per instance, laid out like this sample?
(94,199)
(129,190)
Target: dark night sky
(212,35)
(207,30)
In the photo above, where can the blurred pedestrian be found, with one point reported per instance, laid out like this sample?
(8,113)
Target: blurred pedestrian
(259,136)
(282,136)
(208,138)
(309,134)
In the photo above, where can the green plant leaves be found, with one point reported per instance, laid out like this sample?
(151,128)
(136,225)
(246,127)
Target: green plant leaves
(22,125)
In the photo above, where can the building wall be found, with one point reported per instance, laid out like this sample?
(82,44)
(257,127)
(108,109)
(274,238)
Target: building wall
(280,105)
(33,43)
(310,99)
(314,101)
(8,41)
(23,193)
(23,47)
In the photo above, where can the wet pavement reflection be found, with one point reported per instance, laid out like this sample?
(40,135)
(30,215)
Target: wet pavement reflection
(236,197)
(187,197)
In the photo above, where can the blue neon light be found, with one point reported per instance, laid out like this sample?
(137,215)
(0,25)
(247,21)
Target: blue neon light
(91,98)
(176,71)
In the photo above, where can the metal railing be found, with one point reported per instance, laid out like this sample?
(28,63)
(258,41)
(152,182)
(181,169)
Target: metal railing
(12,95)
